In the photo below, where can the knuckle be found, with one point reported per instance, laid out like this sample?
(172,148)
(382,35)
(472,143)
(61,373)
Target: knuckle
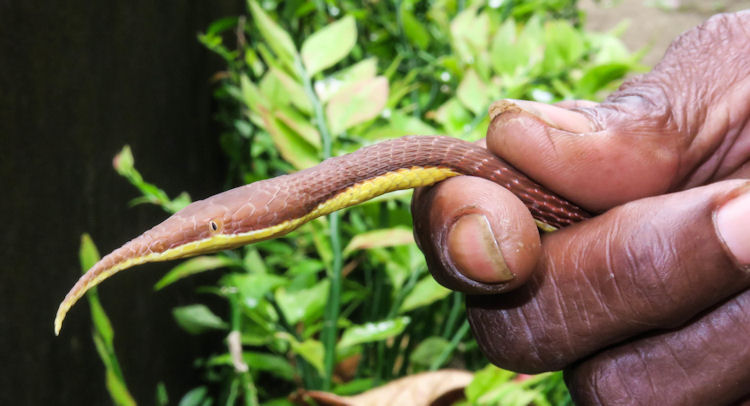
(613,380)
(516,334)
(508,341)
(645,275)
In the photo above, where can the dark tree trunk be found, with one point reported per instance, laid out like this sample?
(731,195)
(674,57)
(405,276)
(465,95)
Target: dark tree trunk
(78,80)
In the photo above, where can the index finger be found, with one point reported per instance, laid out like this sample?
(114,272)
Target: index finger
(650,264)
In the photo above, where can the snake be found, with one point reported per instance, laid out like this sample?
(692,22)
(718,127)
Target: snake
(273,207)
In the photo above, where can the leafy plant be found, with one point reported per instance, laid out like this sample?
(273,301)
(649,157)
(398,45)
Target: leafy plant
(303,310)
(495,386)
(102,331)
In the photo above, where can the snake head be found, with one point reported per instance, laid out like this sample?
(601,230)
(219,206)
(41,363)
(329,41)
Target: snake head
(202,227)
(231,219)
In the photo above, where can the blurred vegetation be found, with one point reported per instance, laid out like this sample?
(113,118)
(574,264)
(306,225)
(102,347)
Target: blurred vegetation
(348,305)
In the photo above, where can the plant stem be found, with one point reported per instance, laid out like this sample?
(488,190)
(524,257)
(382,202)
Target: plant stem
(440,360)
(330,318)
(240,368)
(412,62)
(453,315)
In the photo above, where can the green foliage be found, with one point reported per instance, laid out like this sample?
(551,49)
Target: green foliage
(494,386)
(372,332)
(309,80)
(197,318)
(124,164)
(102,333)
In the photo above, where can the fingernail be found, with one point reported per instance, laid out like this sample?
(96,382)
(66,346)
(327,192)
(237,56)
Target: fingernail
(560,118)
(474,251)
(733,223)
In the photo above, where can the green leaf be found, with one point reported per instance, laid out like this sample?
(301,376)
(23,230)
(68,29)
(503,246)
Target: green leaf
(472,93)
(425,292)
(598,77)
(400,263)
(124,165)
(253,261)
(254,62)
(88,255)
(222,24)
(196,397)
(103,334)
(428,351)
(414,30)
(300,125)
(162,397)
(178,203)
(399,90)
(253,287)
(283,401)
(359,102)
(278,39)
(470,34)
(364,69)
(608,48)
(214,43)
(274,91)
(116,387)
(329,45)
(293,148)
(273,364)
(197,318)
(506,55)
(259,333)
(103,351)
(492,386)
(453,116)
(354,386)
(370,332)
(387,237)
(124,162)
(510,394)
(251,95)
(329,86)
(117,390)
(192,267)
(484,380)
(304,304)
(306,267)
(398,125)
(564,46)
(259,361)
(99,318)
(294,89)
(516,56)
(310,350)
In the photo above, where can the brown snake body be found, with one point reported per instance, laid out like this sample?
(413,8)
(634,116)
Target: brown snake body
(273,207)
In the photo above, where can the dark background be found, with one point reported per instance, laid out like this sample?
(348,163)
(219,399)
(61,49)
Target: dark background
(78,80)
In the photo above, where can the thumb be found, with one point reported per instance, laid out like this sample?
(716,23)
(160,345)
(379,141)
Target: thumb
(580,154)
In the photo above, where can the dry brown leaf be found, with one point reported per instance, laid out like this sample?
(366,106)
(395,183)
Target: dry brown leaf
(442,387)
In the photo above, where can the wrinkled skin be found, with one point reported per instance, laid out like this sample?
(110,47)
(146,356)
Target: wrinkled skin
(647,303)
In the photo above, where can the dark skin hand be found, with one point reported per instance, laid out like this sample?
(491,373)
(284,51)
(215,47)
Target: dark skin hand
(648,302)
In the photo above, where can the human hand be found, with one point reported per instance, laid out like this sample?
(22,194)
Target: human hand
(649,301)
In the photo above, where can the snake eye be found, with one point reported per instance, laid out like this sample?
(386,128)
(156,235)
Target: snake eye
(212,224)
